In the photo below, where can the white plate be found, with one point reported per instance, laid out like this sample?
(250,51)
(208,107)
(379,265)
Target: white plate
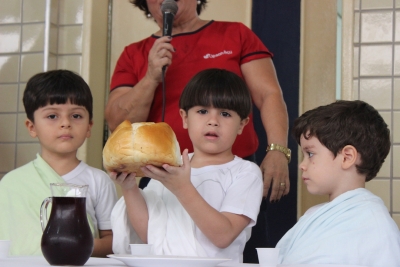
(166,261)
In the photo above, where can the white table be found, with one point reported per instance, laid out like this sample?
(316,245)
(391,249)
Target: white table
(40,261)
(37,261)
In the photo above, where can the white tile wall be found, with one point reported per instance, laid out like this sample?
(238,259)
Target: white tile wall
(22,32)
(396,127)
(372,32)
(9,68)
(7,157)
(377,81)
(376,91)
(376,60)
(376,4)
(396,158)
(7,134)
(30,65)
(72,12)
(70,40)
(9,99)
(33,11)
(10,11)
(11,33)
(397,29)
(33,37)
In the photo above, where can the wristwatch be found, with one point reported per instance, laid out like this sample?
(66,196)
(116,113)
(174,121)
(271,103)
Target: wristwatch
(280,148)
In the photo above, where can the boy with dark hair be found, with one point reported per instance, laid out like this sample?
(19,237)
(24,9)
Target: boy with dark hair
(206,207)
(344,144)
(58,106)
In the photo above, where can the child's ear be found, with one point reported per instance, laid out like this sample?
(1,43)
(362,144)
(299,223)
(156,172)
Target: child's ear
(350,156)
(89,133)
(184,118)
(242,124)
(31,128)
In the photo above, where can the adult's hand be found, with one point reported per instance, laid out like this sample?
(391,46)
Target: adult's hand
(160,55)
(133,104)
(275,171)
(260,77)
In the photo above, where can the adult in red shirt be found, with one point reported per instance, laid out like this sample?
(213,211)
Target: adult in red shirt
(195,45)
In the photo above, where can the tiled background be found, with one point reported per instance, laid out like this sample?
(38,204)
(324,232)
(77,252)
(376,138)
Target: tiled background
(376,80)
(24,51)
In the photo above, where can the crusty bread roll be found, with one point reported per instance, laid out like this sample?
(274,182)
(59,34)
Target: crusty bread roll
(132,146)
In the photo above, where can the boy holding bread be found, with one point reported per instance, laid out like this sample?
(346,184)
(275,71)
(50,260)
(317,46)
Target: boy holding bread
(58,105)
(207,206)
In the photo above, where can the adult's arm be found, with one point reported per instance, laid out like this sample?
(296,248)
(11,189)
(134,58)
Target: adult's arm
(133,103)
(260,77)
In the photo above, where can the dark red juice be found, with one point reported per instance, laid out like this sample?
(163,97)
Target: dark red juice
(67,238)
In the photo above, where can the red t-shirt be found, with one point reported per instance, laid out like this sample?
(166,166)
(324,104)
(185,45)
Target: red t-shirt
(224,45)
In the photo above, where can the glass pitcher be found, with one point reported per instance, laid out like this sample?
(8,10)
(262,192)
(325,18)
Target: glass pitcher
(67,238)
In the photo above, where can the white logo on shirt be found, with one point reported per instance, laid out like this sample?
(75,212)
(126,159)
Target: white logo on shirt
(217,55)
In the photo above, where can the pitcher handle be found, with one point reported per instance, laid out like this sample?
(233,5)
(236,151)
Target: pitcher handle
(43,212)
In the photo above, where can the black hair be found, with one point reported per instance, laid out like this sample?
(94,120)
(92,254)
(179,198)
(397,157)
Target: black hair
(218,88)
(142,5)
(354,123)
(56,87)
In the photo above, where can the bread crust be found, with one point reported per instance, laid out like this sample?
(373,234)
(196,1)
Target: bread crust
(133,145)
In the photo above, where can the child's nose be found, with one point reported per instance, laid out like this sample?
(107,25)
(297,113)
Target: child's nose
(65,123)
(213,121)
(302,166)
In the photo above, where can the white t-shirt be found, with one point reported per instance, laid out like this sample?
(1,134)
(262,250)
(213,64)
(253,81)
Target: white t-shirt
(101,196)
(234,187)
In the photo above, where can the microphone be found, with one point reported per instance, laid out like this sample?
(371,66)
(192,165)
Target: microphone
(169,8)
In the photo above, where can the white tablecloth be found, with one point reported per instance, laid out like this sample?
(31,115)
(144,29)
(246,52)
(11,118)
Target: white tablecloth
(40,261)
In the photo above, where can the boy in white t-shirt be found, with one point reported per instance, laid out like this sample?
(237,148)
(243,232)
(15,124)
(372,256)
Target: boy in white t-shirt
(207,206)
(58,106)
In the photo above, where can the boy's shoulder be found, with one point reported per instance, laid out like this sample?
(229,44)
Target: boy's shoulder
(358,201)
(89,174)
(237,167)
(19,173)
(243,164)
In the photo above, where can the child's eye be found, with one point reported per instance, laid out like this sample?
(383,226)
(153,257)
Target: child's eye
(225,114)
(310,154)
(76,116)
(202,111)
(52,116)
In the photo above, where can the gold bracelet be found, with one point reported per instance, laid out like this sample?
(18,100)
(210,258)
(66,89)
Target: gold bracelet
(286,151)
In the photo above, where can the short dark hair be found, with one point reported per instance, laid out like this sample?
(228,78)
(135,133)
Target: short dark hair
(218,88)
(142,5)
(56,87)
(354,123)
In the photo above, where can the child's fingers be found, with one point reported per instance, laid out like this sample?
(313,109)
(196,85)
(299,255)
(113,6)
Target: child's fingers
(113,175)
(185,157)
(185,163)
(151,171)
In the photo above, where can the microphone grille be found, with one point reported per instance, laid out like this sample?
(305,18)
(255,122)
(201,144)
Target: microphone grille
(169,6)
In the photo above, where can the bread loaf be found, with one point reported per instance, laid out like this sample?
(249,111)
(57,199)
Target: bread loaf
(132,146)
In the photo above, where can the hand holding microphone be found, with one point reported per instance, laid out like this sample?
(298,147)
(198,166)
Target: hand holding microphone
(161,50)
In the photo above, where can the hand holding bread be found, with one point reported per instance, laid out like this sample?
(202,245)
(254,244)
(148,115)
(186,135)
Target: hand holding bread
(134,145)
